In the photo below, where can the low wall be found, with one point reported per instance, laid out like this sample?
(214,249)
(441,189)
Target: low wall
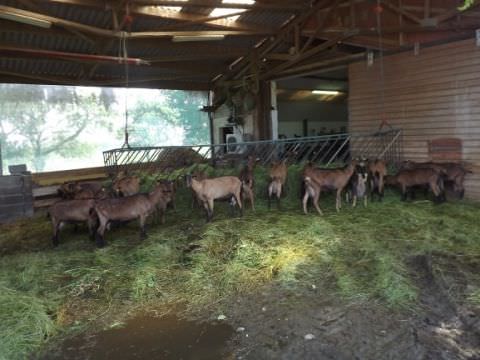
(16,197)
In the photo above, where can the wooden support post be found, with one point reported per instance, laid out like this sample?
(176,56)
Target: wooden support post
(262,122)
(426,9)
(352,14)
(274,110)
(1,162)
(400,23)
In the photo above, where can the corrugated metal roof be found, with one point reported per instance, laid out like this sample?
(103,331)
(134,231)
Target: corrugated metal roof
(59,39)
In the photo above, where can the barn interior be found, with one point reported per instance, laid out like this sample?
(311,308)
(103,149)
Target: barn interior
(323,81)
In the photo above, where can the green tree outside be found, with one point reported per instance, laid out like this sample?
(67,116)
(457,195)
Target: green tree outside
(37,121)
(150,121)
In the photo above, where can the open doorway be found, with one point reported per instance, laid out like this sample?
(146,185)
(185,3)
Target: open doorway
(313,105)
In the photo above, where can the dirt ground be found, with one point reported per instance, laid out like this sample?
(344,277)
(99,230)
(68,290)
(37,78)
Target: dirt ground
(283,324)
(301,323)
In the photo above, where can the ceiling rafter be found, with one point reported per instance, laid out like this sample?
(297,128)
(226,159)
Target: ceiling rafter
(253,58)
(276,6)
(106,46)
(220,21)
(308,41)
(40,9)
(403,12)
(451,13)
(151,81)
(129,35)
(183,17)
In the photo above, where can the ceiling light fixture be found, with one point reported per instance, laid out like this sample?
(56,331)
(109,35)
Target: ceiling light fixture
(26,20)
(186,38)
(325,92)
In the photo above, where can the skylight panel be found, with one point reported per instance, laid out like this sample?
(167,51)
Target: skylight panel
(226,11)
(176,8)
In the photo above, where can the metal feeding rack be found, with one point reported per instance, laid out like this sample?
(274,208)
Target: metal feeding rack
(323,150)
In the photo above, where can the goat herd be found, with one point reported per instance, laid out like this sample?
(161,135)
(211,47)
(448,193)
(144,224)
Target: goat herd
(90,203)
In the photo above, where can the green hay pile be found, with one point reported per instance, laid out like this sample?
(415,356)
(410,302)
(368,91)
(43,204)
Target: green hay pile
(361,254)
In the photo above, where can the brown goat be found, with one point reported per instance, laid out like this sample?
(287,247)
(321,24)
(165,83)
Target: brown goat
(408,178)
(126,186)
(248,180)
(377,171)
(357,187)
(312,190)
(167,199)
(199,175)
(454,173)
(90,194)
(317,180)
(71,211)
(65,191)
(278,176)
(138,206)
(209,190)
(69,190)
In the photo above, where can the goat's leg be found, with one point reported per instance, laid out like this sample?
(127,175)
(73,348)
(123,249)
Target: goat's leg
(238,197)
(354,202)
(162,217)
(56,229)
(305,201)
(279,194)
(207,210)
(249,193)
(315,199)
(371,186)
(338,202)
(381,188)
(91,228)
(231,206)
(436,192)
(99,238)
(270,193)
(210,209)
(143,233)
(404,193)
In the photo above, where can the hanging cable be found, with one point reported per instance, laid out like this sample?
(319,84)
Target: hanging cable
(124,55)
(378,10)
(127,20)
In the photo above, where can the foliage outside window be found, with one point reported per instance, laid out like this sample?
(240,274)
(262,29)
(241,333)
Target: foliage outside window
(65,127)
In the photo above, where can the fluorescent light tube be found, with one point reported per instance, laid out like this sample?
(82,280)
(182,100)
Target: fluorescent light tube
(325,92)
(184,38)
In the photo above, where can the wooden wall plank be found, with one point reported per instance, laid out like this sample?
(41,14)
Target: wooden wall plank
(435,94)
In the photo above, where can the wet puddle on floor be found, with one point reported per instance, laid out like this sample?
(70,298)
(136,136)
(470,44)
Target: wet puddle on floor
(151,338)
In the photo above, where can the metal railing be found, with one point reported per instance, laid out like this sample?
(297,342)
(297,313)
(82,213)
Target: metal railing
(323,150)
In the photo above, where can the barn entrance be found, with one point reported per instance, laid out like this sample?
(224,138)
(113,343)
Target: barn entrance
(313,104)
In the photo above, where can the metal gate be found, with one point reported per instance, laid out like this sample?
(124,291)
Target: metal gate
(323,150)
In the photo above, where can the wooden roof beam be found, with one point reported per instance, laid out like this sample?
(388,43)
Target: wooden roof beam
(148,82)
(117,34)
(196,57)
(242,66)
(401,11)
(155,11)
(38,9)
(187,18)
(454,12)
(276,6)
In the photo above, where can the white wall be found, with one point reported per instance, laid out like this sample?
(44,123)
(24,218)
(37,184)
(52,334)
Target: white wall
(220,118)
(327,115)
